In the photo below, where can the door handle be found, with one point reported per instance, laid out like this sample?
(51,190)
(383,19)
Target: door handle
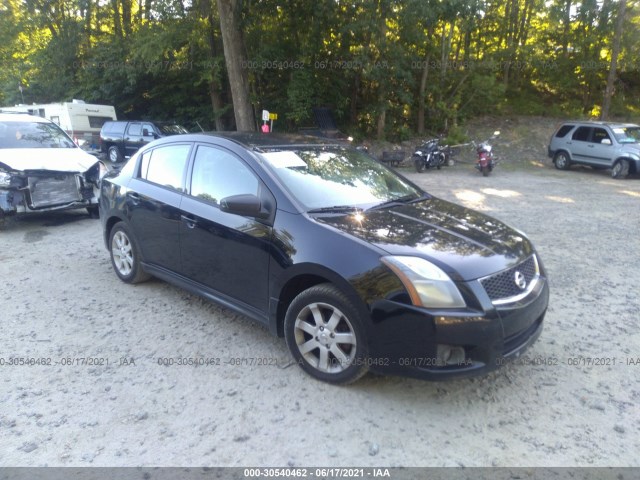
(190,221)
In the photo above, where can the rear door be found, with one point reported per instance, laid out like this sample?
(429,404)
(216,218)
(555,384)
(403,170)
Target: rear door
(225,252)
(581,147)
(153,201)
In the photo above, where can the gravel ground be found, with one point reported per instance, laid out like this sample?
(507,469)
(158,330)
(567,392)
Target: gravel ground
(573,401)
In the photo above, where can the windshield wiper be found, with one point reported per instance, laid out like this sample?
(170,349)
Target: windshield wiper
(398,201)
(334,209)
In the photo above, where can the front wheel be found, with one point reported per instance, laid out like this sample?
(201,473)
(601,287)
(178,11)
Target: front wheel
(419,164)
(485,171)
(561,161)
(325,335)
(125,255)
(620,169)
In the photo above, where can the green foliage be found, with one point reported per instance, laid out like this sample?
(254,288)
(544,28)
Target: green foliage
(379,65)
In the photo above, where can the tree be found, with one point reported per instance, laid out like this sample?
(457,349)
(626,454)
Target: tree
(608,93)
(235,60)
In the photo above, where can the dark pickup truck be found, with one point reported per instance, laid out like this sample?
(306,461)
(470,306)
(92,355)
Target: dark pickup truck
(121,139)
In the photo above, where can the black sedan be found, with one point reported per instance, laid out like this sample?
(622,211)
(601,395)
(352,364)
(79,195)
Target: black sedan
(358,268)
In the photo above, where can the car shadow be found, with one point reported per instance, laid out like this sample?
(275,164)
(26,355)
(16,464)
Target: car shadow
(45,219)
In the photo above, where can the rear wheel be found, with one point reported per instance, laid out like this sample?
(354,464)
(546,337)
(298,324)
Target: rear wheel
(325,335)
(114,154)
(620,169)
(125,255)
(561,161)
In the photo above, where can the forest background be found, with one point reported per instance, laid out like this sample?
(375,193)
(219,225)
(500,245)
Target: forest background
(388,69)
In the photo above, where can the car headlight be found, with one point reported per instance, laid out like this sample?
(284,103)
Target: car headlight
(427,284)
(5,179)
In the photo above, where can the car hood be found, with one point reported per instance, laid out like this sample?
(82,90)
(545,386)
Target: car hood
(465,243)
(54,159)
(633,147)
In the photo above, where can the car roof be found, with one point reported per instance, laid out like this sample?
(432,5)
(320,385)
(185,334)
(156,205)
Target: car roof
(20,117)
(599,123)
(259,141)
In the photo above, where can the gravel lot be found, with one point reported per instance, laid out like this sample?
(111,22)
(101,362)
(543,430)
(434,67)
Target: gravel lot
(572,402)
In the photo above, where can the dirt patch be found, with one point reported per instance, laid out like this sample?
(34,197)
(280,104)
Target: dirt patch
(94,386)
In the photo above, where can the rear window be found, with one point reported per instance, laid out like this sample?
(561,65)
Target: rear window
(114,127)
(96,122)
(563,130)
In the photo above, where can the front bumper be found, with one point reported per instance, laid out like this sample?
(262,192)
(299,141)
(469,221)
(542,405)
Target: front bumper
(35,193)
(408,341)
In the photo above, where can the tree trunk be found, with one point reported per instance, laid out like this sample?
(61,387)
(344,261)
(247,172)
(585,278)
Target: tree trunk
(215,86)
(382,121)
(608,93)
(233,43)
(421,94)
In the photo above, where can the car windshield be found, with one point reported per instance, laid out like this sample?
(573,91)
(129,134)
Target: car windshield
(324,178)
(627,134)
(172,129)
(33,135)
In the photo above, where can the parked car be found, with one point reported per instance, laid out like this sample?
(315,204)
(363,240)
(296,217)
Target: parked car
(42,169)
(121,139)
(600,145)
(357,267)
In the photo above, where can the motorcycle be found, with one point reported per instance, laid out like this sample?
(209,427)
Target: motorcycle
(429,155)
(485,163)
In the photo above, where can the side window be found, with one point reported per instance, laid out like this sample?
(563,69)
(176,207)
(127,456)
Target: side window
(135,129)
(600,134)
(165,165)
(147,130)
(581,134)
(563,130)
(218,174)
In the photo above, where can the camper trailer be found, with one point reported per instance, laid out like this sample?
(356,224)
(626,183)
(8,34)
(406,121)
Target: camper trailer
(82,121)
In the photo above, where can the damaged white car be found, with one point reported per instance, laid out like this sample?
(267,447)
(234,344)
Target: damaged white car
(41,169)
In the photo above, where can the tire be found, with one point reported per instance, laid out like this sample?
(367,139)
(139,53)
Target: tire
(561,161)
(485,171)
(125,255)
(325,335)
(93,211)
(419,164)
(114,154)
(620,169)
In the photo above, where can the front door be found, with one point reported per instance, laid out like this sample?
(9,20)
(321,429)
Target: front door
(225,252)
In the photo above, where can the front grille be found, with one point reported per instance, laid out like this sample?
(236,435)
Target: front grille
(56,189)
(502,286)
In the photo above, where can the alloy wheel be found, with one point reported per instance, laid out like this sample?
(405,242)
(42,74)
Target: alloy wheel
(325,338)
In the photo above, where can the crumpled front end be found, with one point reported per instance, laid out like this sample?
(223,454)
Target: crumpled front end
(44,190)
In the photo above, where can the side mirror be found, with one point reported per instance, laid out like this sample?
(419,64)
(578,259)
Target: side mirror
(246,205)
(605,141)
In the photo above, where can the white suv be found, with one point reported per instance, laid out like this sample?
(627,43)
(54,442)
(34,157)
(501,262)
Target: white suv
(599,145)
